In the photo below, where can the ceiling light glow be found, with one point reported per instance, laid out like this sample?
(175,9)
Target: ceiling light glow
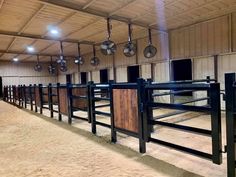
(30,49)
(15,59)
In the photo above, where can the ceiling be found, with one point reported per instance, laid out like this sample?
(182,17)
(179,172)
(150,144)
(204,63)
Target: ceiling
(26,22)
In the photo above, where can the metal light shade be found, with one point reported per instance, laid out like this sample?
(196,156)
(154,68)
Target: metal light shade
(38,67)
(79,60)
(108,47)
(150,51)
(129,49)
(94,61)
(51,69)
(63,67)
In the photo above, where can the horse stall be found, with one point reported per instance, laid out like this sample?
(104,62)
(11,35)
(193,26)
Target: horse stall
(118,88)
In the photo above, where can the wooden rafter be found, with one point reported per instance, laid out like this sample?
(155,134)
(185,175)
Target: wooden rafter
(76,7)
(1,3)
(122,7)
(88,4)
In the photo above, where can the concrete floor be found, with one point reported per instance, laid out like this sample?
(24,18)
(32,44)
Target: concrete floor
(182,160)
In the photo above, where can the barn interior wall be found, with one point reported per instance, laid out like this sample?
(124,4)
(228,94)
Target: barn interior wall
(21,73)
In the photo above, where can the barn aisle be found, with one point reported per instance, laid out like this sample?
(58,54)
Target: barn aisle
(31,146)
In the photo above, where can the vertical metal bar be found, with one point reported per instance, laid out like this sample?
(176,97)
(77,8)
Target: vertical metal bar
(93,115)
(50,104)
(58,100)
(31,97)
(69,102)
(25,97)
(35,105)
(208,94)
(230,123)
(148,97)
(216,123)
(41,99)
(141,122)
(89,101)
(113,132)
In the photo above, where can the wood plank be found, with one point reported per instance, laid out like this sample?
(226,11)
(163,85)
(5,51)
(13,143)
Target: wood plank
(63,101)
(79,103)
(126,109)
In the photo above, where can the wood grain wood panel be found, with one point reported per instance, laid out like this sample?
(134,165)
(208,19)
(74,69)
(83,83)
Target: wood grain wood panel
(79,103)
(126,109)
(45,97)
(54,98)
(37,96)
(63,101)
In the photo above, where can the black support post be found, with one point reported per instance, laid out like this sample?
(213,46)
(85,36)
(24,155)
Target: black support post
(216,123)
(58,100)
(113,131)
(31,97)
(25,97)
(142,119)
(41,98)
(35,105)
(92,104)
(69,102)
(230,123)
(50,104)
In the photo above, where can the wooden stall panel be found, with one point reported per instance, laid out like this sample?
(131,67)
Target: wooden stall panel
(63,100)
(126,109)
(54,98)
(79,103)
(37,96)
(45,95)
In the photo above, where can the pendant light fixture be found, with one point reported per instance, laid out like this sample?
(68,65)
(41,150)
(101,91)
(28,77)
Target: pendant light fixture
(79,59)
(94,60)
(51,67)
(38,67)
(150,51)
(61,60)
(108,47)
(129,48)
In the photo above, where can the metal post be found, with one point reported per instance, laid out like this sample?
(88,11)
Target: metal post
(35,105)
(41,98)
(216,123)
(58,100)
(149,110)
(69,102)
(89,101)
(142,124)
(25,97)
(208,94)
(113,132)
(50,104)
(92,104)
(230,123)
(31,97)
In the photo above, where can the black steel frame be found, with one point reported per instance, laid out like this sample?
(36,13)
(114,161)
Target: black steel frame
(230,99)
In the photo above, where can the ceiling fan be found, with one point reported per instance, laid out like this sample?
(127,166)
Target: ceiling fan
(61,60)
(51,67)
(150,51)
(38,67)
(94,60)
(79,59)
(130,47)
(108,47)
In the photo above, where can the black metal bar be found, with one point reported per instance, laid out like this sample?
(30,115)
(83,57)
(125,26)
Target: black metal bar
(230,123)
(89,101)
(92,104)
(182,127)
(50,104)
(103,124)
(41,98)
(169,114)
(80,118)
(113,130)
(170,86)
(100,99)
(69,103)
(182,148)
(31,97)
(102,113)
(58,99)
(142,120)
(194,100)
(216,123)
(102,106)
(181,107)
(25,97)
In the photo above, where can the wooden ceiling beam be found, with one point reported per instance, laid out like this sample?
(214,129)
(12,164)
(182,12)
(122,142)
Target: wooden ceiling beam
(38,37)
(122,7)
(33,54)
(88,4)
(1,3)
(76,7)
